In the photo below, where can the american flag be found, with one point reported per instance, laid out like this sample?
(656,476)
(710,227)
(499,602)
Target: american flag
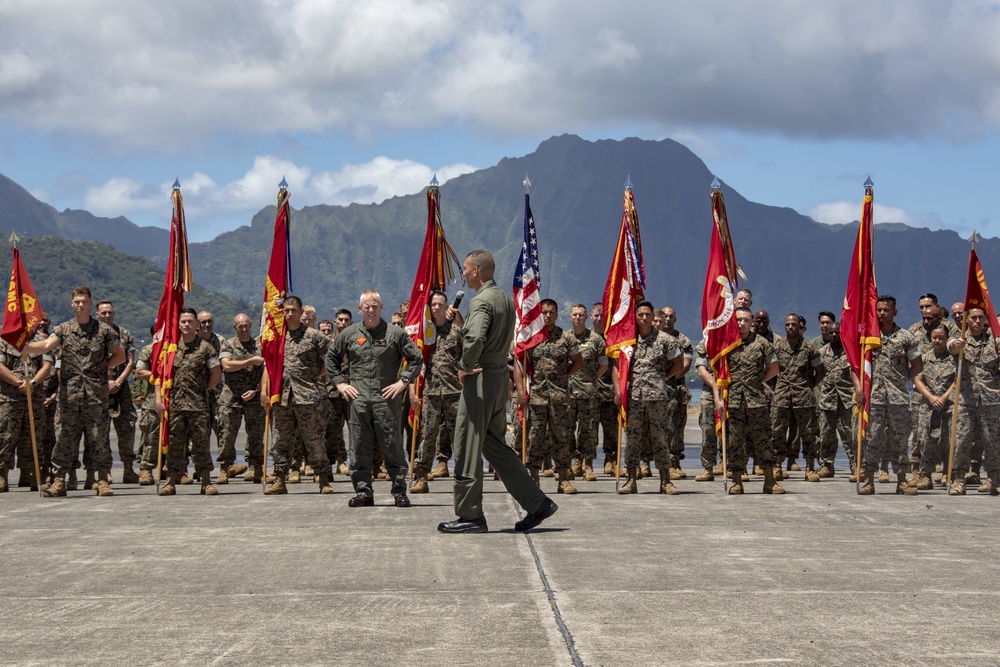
(530,330)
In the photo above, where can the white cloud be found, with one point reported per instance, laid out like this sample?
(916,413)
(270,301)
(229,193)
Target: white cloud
(204,199)
(841,212)
(141,75)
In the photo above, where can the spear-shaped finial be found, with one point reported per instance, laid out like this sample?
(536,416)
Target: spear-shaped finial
(975,238)
(526,183)
(628,182)
(177,184)
(869,184)
(14,238)
(434,181)
(283,186)
(716,185)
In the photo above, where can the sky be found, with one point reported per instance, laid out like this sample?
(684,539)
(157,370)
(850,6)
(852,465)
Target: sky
(104,103)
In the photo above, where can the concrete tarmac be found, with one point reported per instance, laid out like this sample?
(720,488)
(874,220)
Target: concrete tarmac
(819,576)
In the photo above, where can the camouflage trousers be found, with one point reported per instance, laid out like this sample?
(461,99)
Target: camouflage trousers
(251,414)
(305,424)
(124,425)
(782,417)
(647,435)
(608,416)
(516,428)
(190,430)
(15,434)
(149,439)
(680,419)
(437,430)
(886,439)
(834,424)
(979,425)
(336,448)
(709,438)
(550,434)
(583,414)
(749,432)
(931,437)
(917,407)
(82,418)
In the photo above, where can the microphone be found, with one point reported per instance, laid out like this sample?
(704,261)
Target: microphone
(458,299)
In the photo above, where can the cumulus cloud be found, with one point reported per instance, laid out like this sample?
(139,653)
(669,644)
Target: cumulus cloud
(371,182)
(841,212)
(146,75)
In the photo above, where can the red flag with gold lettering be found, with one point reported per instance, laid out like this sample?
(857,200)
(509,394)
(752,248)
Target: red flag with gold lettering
(718,321)
(277,286)
(624,289)
(23,311)
(977,295)
(176,281)
(859,322)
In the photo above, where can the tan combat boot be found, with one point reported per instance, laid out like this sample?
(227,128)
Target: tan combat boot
(578,468)
(904,489)
(609,467)
(294,476)
(666,486)
(383,473)
(676,472)
(129,476)
(145,477)
(207,489)
(323,479)
(991,482)
(630,485)
(278,487)
(170,488)
(440,470)
(307,470)
(717,470)
(736,486)
(419,482)
(792,465)
(57,489)
(957,487)
(588,470)
(103,487)
(854,474)
(867,480)
(707,475)
(770,485)
(185,478)
(811,475)
(826,471)
(564,482)
(223,477)
(547,469)
(236,469)
(344,470)
(883,473)
(646,470)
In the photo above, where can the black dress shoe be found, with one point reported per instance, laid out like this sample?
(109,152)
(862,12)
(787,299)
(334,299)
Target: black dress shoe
(547,509)
(461,525)
(361,500)
(402,500)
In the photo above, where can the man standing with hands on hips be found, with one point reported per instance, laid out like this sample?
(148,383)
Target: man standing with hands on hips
(481,424)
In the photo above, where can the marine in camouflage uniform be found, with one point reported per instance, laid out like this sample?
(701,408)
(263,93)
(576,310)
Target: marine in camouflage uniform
(206,322)
(374,356)
(15,429)
(650,408)
(681,395)
(751,364)
(239,402)
(894,362)
(800,369)
(706,416)
(439,401)
(550,426)
(583,403)
(919,410)
(301,413)
(936,382)
(87,347)
(122,409)
(196,371)
(835,401)
(149,419)
(979,404)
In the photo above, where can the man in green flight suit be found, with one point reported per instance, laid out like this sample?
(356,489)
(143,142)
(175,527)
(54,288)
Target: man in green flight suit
(481,424)
(374,349)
